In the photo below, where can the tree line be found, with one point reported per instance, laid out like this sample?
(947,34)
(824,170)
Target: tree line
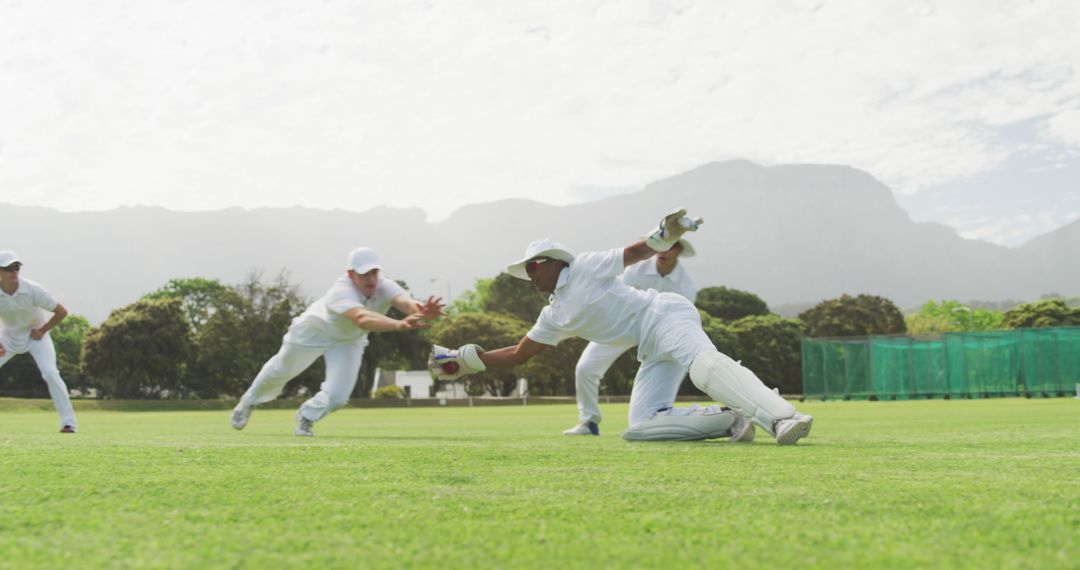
(200,338)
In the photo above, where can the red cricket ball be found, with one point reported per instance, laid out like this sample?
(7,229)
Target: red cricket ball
(450,367)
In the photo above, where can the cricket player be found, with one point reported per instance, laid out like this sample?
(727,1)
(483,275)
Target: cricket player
(666,275)
(336,328)
(588,301)
(24,327)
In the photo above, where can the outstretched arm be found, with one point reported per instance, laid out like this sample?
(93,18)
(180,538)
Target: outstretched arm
(429,310)
(376,322)
(511,356)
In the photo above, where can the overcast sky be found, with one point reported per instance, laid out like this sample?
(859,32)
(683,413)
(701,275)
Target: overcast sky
(969,110)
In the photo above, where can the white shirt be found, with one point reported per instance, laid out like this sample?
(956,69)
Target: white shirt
(324,322)
(22,312)
(590,302)
(645,275)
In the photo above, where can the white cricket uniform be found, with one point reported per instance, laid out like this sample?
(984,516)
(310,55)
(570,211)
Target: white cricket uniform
(590,302)
(20,313)
(323,330)
(597,358)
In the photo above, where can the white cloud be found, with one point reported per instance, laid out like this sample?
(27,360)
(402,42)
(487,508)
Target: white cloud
(1064,127)
(412,103)
(1011,230)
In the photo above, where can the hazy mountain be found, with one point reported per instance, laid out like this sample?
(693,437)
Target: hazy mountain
(791,234)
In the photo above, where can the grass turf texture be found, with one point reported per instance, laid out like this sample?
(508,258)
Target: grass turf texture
(959,484)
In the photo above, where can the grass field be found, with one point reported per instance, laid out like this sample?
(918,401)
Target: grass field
(960,484)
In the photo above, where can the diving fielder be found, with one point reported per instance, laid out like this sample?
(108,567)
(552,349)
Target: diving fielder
(587,300)
(24,328)
(666,275)
(336,328)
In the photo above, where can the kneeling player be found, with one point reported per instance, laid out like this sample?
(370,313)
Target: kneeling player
(588,301)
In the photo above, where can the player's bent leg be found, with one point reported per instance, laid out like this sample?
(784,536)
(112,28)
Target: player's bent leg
(342,367)
(287,364)
(729,382)
(44,355)
(684,425)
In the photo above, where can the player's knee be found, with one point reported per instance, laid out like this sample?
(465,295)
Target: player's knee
(338,400)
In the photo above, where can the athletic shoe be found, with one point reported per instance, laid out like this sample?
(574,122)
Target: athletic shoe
(584,428)
(67,429)
(303,426)
(792,429)
(742,431)
(240,415)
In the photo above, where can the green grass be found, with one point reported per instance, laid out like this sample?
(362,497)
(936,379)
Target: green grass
(961,484)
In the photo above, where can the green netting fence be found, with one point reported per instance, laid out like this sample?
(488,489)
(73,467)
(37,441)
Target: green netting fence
(1029,362)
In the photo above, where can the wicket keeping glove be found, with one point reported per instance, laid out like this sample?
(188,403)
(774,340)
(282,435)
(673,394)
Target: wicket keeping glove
(672,227)
(446,364)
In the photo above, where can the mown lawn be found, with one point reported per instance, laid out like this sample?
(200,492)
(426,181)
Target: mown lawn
(947,484)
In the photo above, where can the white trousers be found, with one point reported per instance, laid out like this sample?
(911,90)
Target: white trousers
(342,367)
(671,337)
(655,386)
(44,354)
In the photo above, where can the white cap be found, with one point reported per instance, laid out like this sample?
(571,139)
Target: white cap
(363,259)
(8,257)
(539,248)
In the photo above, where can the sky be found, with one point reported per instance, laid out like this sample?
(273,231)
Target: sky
(968,110)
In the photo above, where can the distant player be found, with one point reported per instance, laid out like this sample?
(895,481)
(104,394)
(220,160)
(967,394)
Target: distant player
(336,328)
(24,327)
(666,275)
(588,301)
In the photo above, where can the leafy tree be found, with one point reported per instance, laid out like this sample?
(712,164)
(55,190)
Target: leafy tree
(730,304)
(853,316)
(243,331)
(20,377)
(197,294)
(489,330)
(472,301)
(141,350)
(1040,314)
(952,316)
(516,297)
(719,333)
(68,336)
(771,346)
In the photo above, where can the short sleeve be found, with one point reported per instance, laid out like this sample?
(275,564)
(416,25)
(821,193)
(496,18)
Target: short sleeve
(544,332)
(390,288)
(43,299)
(343,299)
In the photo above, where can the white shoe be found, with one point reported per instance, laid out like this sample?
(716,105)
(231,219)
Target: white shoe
(303,426)
(240,415)
(584,428)
(793,429)
(742,431)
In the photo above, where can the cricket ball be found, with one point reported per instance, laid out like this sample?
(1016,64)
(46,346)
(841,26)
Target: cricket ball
(450,367)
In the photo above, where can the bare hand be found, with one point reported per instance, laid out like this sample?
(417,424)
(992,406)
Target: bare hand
(432,308)
(414,321)
(37,334)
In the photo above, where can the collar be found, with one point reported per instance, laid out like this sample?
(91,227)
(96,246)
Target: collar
(18,289)
(651,269)
(564,276)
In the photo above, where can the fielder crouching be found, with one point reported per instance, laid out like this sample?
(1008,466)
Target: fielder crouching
(588,301)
